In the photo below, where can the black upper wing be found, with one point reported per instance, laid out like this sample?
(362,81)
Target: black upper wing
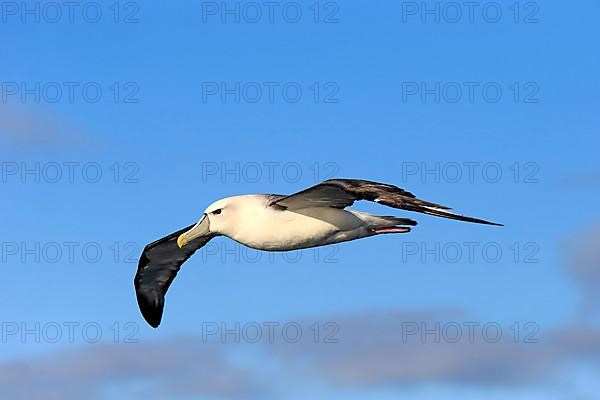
(341,193)
(159,263)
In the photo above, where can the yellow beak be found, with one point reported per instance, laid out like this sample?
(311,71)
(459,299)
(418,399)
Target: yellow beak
(198,230)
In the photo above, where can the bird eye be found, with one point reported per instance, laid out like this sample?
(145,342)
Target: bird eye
(217,212)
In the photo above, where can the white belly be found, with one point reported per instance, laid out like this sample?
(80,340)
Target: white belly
(275,230)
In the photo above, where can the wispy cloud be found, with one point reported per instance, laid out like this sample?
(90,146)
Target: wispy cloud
(32,127)
(583,266)
(411,347)
(377,350)
(582,179)
(373,351)
(165,369)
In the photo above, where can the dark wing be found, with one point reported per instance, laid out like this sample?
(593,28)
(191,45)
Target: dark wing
(159,263)
(341,193)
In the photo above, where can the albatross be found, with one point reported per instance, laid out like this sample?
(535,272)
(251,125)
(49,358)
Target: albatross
(313,217)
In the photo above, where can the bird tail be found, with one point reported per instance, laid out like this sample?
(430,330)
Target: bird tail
(383,221)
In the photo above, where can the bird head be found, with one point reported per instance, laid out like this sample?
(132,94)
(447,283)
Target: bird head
(218,219)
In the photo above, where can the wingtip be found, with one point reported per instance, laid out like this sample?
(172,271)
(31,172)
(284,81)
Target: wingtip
(153,323)
(491,223)
(153,319)
(151,307)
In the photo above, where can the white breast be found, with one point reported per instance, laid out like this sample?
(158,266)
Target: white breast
(266,228)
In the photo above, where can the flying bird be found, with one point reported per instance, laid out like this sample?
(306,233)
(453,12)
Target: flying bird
(313,217)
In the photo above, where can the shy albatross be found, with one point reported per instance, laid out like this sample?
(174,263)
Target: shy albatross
(313,217)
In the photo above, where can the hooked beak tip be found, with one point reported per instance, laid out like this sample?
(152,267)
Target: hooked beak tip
(198,230)
(181,241)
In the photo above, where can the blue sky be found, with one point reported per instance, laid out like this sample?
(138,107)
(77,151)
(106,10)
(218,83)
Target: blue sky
(172,141)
